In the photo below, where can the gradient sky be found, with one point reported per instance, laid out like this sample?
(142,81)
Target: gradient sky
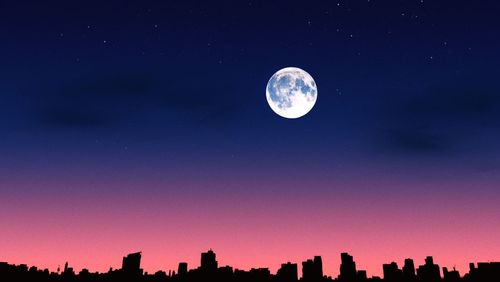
(144,127)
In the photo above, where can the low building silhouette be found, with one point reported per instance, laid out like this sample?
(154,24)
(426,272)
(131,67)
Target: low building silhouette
(450,276)
(361,276)
(484,272)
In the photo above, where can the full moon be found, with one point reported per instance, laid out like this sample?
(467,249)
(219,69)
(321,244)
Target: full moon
(291,92)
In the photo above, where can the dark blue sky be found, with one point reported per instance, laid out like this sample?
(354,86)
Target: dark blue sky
(152,114)
(397,79)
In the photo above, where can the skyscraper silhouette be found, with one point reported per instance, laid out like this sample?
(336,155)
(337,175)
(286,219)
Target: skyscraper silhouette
(131,264)
(312,270)
(68,271)
(182,269)
(208,262)
(347,268)
(409,270)
(429,272)
(318,266)
(287,273)
(392,273)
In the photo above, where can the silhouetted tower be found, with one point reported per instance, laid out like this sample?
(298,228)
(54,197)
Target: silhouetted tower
(287,273)
(182,269)
(409,270)
(68,270)
(318,267)
(208,262)
(472,268)
(429,272)
(347,268)
(312,270)
(392,273)
(307,270)
(132,264)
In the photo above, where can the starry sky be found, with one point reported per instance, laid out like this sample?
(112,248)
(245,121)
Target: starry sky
(143,126)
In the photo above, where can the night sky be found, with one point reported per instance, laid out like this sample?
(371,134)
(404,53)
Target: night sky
(144,126)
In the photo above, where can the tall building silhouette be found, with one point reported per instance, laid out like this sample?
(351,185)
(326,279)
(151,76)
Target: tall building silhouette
(208,261)
(131,264)
(347,268)
(318,266)
(287,273)
(182,269)
(429,271)
(409,270)
(68,271)
(312,270)
(392,273)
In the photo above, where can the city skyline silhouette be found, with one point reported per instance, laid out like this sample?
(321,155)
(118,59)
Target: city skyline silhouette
(311,270)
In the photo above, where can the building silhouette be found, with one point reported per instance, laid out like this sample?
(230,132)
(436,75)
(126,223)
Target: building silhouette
(485,271)
(361,275)
(347,268)
(429,271)
(450,276)
(131,264)
(208,261)
(409,270)
(287,273)
(312,269)
(318,267)
(392,273)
